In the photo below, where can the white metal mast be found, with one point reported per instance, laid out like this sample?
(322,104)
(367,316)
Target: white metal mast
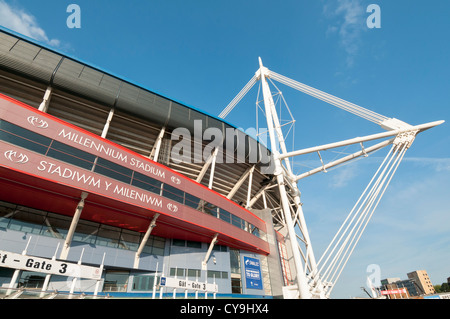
(317,279)
(273,126)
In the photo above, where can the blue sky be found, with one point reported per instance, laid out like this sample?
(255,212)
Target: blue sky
(204,52)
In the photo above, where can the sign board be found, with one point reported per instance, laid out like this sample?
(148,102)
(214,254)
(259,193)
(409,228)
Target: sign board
(48,266)
(393,291)
(187,284)
(252,268)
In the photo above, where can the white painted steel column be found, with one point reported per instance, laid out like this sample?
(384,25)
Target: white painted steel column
(74,280)
(12,283)
(366,138)
(249,191)
(208,253)
(157,146)
(144,241)
(155,278)
(43,107)
(213,167)
(108,122)
(268,103)
(206,166)
(240,182)
(97,284)
(161,288)
(47,277)
(73,226)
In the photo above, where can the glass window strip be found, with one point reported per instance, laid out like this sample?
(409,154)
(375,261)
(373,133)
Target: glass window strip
(22,137)
(118,172)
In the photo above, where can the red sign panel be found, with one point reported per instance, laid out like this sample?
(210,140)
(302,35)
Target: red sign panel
(56,171)
(394,291)
(51,127)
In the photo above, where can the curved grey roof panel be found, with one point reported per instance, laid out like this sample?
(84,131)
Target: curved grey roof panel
(36,60)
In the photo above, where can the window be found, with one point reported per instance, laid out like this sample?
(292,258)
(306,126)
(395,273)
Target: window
(210,209)
(236,221)
(6,211)
(86,232)
(214,274)
(24,138)
(71,155)
(193,244)
(178,272)
(224,215)
(25,220)
(217,274)
(108,236)
(147,183)
(34,221)
(235,262)
(144,283)
(56,226)
(116,280)
(155,246)
(186,243)
(194,273)
(129,240)
(30,279)
(178,242)
(253,230)
(113,170)
(220,248)
(192,201)
(236,286)
(173,193)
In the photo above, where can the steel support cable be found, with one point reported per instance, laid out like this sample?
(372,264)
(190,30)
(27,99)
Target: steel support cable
(238,97)
(348,106)
(284,100)
(371,197)
(369,207)
(400,158)
(352,211)
(365,204)
(368,212)
(337,274)
(345,105)
(335,101)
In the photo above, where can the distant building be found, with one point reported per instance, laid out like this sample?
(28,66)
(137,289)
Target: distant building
(388,281)
(393,284)
(421,279)
(392,291)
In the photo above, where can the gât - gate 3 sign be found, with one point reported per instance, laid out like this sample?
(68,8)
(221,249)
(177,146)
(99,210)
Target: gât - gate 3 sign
(48,266)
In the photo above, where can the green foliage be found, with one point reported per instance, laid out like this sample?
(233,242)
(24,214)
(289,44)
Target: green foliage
(445,287)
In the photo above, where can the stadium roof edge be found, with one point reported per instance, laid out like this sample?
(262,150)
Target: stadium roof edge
(118,77)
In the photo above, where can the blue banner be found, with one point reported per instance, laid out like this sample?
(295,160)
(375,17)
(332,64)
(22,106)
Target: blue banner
(252,268)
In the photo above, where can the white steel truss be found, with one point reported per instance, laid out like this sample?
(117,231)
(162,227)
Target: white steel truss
(316,279)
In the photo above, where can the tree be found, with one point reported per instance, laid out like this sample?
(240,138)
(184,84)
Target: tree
(445,287)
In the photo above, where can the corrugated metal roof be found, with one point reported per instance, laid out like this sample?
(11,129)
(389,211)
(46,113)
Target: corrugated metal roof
(49,65)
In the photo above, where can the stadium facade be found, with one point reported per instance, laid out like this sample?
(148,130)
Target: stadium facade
(88,178)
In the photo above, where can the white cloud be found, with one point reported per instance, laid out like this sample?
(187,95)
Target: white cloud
(343,176)
(438,164)
(349,24)
(22,22)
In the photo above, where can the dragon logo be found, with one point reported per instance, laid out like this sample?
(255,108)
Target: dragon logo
(35,121)
(13,157)
(175,180)
(173,208)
